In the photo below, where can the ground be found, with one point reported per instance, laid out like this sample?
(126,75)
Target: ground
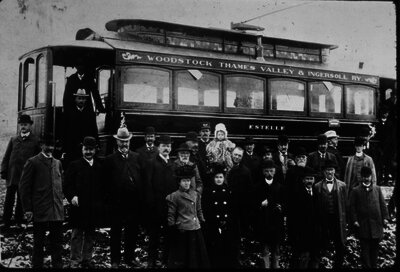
(16,248)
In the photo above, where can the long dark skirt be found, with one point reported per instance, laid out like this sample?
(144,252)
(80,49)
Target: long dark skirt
(188,250)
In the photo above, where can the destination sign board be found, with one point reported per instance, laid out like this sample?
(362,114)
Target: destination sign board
(245,67)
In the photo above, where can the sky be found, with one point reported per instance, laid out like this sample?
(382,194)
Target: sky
(364,31)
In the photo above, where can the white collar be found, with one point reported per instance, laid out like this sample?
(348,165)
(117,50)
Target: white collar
(80,76)
(269,181)
(80,109)
(25,134)
(48,157)
(90,162)
(163,158)
(148,146)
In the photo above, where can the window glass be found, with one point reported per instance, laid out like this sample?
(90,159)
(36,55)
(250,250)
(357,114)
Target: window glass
(244,92)
(196,88)
(360,100)
(325,97)
(286,95)
(59,75)
(41,70)
(29,83)
(143,85)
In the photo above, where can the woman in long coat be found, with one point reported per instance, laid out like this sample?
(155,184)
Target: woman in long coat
(222,224)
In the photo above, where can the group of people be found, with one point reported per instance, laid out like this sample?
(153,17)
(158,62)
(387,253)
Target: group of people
(199,205)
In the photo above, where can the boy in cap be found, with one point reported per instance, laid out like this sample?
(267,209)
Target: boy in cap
(149,150)
(352,174)
(331,201)
(42,200)
(84,190)
(123,177)
(369,216)
(19,149)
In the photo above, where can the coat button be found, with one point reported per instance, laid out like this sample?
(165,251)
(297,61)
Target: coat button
(217,215)
(216,203)
(224,202)
(192,203)
(214,191)
(223,190)
(226,215)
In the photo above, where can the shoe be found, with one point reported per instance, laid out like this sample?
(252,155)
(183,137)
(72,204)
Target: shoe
(115,265)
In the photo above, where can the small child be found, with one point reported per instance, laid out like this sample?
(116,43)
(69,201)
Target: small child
(187,247)
(220,148)
(369,216)
(222,225)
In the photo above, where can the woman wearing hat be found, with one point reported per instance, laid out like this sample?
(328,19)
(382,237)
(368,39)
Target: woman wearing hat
(187,247)
(221,227)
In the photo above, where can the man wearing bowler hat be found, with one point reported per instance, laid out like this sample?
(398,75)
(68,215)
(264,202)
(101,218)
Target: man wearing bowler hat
(149,150)
(316,160)
(84,190)
(42,197)
(331,201)
(250,159)
(160,182)
(333,141)
(282,157)
(124,186)
(20,148)
(79,122)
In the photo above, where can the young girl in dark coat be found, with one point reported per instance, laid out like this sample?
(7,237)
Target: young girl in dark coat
(187,248)
(221,226)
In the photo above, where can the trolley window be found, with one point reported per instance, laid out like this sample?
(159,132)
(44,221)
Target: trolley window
(360,101)
(244,94)
(198,90)
(29,84)
(286,96)
(146,87)
(325,98)
(41,77)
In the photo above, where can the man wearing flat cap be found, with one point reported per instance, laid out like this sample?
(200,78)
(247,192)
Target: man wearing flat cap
(42,197)
(316,160)
(79,122)
(84,189)
(331,201)
(304,217)
(19,149)
(205,132)
(333,140)
(124,186)
(160,182)
(149,150)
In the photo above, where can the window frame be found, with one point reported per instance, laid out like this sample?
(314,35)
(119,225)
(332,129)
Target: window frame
(286,112)
(194,108)
(43,104)
(241,110)
(26,70)
(121,70)
(359,116)
(325,114)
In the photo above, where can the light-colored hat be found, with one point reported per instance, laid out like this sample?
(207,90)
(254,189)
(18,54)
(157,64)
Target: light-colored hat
(331,134)
(220,127)
(123,134)
(81,92)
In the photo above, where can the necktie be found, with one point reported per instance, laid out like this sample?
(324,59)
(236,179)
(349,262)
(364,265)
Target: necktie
(329,182)
(309,192)
(323,156)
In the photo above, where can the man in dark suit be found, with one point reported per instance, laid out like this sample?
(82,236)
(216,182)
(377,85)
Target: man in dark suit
(250,159)
(79,122)
(160,182)
(19,149)
(240,183)
(333,141)
(282,157)
(41,194)
(304,217)
(83,79)
(124,185)
(149,150)
(369,216)
(84,189)
(331,202)
(317,159)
